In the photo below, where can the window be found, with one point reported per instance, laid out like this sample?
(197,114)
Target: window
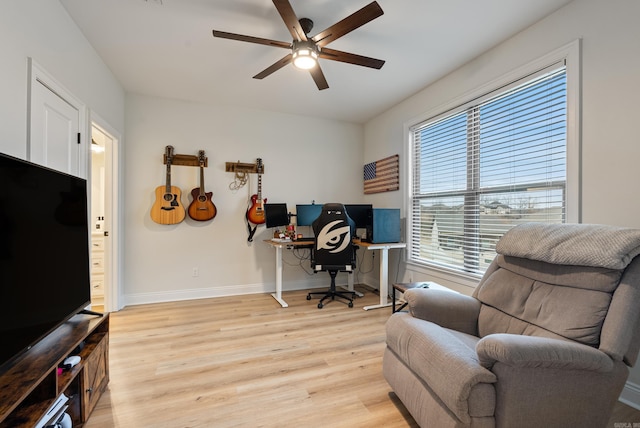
(486,166)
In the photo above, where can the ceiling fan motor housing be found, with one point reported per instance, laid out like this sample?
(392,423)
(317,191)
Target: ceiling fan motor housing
(306,24)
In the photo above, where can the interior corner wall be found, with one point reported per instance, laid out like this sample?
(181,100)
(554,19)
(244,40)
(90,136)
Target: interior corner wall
(42,30)
(305,159)
(610,94)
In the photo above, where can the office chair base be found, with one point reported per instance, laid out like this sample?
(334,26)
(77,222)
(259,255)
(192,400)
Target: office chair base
(332,293)
(328,294)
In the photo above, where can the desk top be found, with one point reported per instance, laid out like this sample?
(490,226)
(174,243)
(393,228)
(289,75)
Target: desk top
(301,243)
(359,243)
(379,246)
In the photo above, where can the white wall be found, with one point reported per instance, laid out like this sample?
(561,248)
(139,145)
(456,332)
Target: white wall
(610,94)
(305,159)
(43,30)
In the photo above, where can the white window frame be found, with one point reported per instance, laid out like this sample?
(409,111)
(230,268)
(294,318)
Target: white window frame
(570,54)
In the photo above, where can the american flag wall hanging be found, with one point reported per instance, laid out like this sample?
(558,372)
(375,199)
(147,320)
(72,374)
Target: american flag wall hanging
(382,175)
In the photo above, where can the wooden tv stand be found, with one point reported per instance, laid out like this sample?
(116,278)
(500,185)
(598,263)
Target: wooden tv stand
(31,384)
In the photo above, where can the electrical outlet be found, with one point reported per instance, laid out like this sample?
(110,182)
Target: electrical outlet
(196,272)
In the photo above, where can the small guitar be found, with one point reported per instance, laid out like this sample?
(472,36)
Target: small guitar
(255,213)
(167,208)
(201,208)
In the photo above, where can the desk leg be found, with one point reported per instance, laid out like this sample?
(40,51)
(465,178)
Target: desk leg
(384,281)
(278,294)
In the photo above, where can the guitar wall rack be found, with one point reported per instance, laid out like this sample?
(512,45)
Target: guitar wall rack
(185,160)
(251,168)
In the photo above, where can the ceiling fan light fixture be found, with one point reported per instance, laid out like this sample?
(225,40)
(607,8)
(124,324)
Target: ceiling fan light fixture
(305,55)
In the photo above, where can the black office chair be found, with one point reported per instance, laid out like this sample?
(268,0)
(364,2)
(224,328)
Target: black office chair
(333,250)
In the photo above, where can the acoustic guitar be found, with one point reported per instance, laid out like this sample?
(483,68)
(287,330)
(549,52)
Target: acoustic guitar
(168,208)
(255,213)
(201,208)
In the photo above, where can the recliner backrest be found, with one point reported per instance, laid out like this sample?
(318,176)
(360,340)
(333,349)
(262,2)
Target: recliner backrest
(333,230)
(560,296)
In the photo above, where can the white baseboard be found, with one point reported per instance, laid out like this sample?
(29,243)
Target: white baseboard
(631,395)
(220,291)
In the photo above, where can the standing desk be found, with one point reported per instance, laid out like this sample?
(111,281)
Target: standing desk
(384,267)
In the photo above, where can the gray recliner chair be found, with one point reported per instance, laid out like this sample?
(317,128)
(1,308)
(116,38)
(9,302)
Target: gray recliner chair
(546,339)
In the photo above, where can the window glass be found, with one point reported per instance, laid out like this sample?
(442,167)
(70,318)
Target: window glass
(485,167)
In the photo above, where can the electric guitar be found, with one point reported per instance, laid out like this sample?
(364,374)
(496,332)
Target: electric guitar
(168,208)
(255,213)
(201,208)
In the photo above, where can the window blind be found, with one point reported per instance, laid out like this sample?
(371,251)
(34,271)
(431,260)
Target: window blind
(485,167)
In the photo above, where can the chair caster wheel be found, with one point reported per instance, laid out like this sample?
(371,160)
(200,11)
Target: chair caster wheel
(351,304)
(319,305)
(308,296)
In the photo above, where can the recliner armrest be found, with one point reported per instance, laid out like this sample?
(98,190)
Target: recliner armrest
(447,309)
(540,352)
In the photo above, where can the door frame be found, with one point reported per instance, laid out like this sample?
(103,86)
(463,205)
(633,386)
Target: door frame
(113,244)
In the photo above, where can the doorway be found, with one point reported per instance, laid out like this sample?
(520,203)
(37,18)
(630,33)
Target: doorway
(104,220)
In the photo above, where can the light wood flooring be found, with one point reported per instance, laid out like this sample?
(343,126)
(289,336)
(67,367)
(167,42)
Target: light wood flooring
(247,362)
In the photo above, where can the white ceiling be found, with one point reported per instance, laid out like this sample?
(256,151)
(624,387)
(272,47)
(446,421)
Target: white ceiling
(165,48)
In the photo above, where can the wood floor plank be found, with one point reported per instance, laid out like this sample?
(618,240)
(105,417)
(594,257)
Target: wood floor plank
(244,361)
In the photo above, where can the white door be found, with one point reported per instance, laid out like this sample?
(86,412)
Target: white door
(55,130)
(56,121)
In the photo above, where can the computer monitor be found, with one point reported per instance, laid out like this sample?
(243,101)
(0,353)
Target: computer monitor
(306,214)
(276,215)
(360,214)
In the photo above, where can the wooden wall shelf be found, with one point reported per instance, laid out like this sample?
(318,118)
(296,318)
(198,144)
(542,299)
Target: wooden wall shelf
(251,168)
(185,160)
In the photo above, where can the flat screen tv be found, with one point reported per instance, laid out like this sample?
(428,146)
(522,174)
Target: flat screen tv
(44,253)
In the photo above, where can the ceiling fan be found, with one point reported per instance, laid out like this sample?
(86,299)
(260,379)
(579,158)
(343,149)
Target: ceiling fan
(306,50)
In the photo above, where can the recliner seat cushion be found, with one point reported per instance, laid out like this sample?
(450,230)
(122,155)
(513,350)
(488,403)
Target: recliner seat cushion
(446,363)
(572,312)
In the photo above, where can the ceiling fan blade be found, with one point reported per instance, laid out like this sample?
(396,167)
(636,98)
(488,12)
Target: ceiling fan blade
(251,39)
(274,67)
(350,23)
(290,19)
(318,77)
(350,58)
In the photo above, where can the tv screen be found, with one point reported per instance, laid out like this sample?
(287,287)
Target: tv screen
(360,214)
(44,253)
(276,215)
(306,214)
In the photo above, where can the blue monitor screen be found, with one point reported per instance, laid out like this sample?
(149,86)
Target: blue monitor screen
(306,214)
(359,213)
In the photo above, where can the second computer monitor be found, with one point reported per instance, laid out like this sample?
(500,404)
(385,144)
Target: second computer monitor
(276,215)
(360,214)
(306,214)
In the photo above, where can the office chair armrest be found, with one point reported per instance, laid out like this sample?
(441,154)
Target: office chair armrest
(540,352)
(445,308)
